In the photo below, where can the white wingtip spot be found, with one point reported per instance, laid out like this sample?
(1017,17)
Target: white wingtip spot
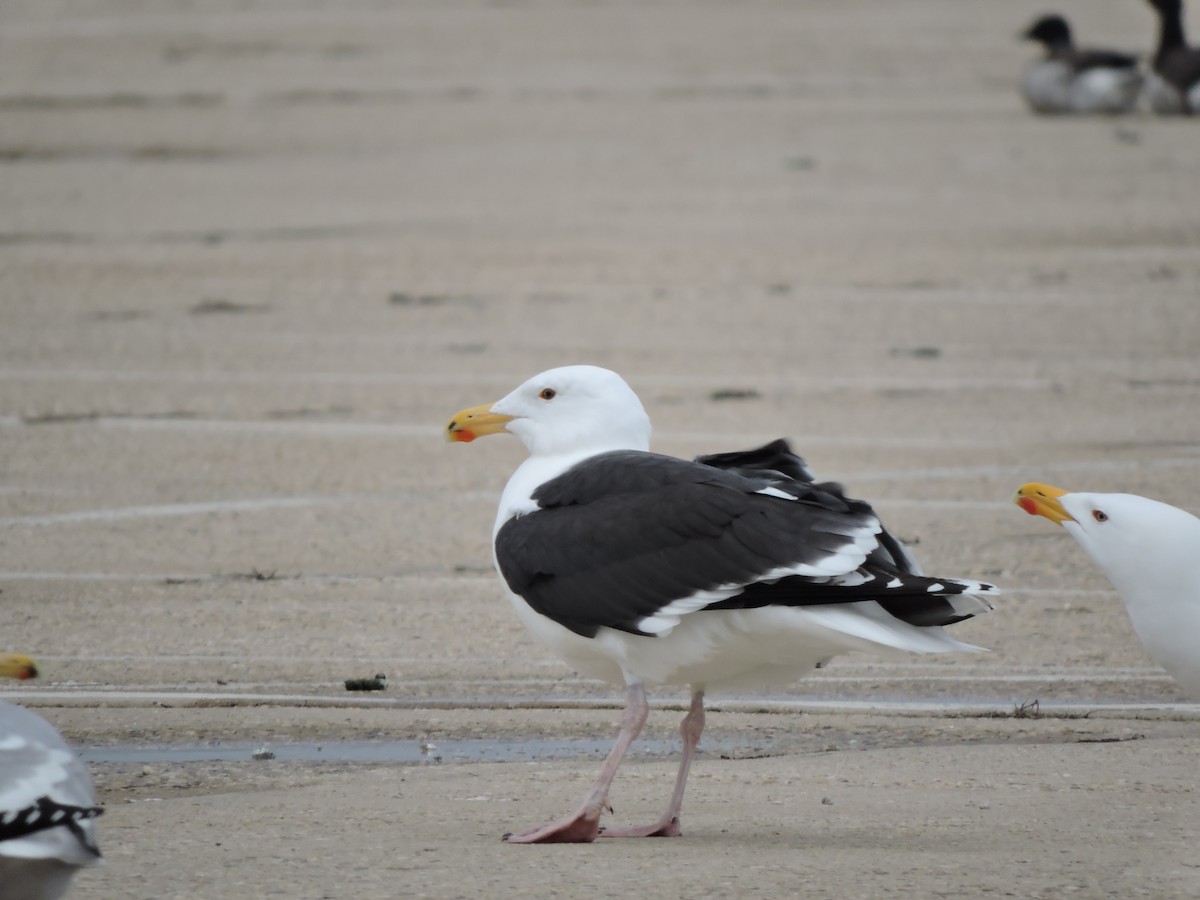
(970,604)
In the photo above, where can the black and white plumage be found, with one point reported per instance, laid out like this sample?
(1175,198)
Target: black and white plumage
(1173,85)
(635,541)
(47,809)
(733,570)
(1069,79)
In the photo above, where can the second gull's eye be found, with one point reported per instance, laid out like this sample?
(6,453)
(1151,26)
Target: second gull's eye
(547,393)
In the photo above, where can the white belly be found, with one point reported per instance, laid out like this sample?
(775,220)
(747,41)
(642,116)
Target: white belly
(741,648)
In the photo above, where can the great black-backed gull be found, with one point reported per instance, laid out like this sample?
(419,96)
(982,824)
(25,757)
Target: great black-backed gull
(1150,551)
(47,809)
(1069,79)
(734,570)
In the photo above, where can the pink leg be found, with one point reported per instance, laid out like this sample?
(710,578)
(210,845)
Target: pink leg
(583,825)
(668,826)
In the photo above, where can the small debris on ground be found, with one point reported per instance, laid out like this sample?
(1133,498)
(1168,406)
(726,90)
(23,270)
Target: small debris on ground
(734,394)
(1030,709)
(917,352)
(378,683)
(218,305)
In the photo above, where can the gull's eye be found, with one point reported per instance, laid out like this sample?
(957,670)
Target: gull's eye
(1099,515)
(547,393)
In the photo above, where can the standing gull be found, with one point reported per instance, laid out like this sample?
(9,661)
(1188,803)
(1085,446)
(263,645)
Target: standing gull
(733,571)
(1151,553)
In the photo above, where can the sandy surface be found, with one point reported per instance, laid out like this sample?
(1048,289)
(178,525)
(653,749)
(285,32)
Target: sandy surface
(252,255)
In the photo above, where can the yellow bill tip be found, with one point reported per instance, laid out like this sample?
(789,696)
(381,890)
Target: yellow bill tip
(474,422)
(14,665)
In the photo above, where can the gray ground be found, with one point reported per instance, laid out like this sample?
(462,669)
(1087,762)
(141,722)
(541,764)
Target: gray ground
(253,255)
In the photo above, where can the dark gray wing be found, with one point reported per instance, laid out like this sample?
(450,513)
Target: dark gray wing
(908,599)
(633,540)
(777,462)
(1082,60)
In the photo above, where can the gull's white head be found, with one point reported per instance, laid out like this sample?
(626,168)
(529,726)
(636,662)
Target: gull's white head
(562,411)
(1126,535)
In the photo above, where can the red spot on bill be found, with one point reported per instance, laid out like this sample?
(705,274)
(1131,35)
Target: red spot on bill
(1028,505)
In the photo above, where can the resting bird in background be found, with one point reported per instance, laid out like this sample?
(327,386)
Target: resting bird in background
(1173,87)
(1151,553)
(1071,80)
(47,803)
(733,570)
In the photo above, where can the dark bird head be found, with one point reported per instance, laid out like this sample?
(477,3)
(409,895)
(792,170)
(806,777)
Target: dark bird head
(1051,31)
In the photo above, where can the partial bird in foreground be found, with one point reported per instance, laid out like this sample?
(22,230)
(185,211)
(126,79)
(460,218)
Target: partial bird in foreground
(734,570)
(1173,87)
(1151,553)
(47,803)
(1069,79)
